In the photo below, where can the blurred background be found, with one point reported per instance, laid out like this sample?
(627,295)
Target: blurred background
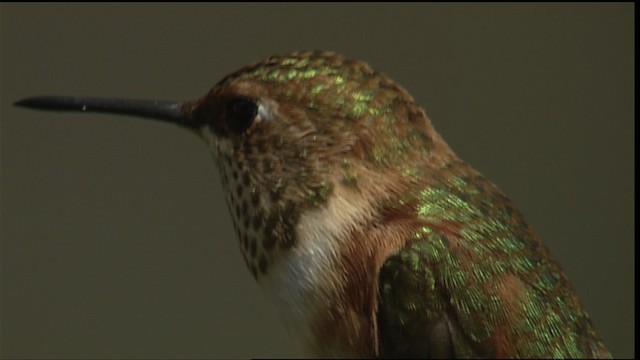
(116,242)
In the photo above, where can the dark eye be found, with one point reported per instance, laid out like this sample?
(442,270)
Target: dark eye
(241,113)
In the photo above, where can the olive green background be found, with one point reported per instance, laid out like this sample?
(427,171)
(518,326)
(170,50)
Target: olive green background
(116,242)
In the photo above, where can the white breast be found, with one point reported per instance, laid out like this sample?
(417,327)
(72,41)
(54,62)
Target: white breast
(303,282)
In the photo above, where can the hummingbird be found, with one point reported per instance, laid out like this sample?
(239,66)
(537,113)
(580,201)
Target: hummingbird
(370,235)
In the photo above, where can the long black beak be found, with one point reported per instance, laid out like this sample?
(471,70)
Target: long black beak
(170,111)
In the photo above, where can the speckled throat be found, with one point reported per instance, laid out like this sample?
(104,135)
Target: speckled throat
(264,221)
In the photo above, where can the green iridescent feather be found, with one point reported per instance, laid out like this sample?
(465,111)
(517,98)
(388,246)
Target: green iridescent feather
(478,263)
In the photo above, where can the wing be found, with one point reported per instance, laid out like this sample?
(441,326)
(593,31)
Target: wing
(476,282)
(414,317)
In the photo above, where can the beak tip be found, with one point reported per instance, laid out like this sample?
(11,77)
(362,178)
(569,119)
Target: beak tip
(37,102)
(22,102)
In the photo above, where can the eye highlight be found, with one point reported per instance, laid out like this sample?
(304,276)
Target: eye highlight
(241,112)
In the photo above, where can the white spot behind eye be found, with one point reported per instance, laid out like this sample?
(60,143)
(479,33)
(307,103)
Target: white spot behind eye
(264,113)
